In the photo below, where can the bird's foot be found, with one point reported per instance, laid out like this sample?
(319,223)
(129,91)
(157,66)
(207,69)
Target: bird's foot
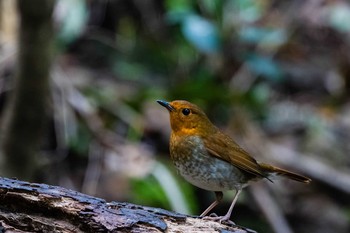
(221,219)
(226,220)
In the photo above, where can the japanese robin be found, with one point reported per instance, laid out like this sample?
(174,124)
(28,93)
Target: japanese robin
(210,159)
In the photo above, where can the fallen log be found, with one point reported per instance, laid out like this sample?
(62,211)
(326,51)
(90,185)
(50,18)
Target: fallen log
(32,207)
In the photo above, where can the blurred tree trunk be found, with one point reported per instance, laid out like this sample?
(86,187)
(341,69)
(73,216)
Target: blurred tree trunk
(26,109)
(1,9)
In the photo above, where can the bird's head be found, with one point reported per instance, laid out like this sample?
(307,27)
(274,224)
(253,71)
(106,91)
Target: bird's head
(187,118)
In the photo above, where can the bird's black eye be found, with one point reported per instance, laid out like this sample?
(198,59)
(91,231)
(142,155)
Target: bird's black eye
(186,111)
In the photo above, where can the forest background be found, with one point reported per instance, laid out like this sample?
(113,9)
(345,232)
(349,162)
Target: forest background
(79,80)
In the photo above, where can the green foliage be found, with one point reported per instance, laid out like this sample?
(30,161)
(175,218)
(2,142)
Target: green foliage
(201,33)
(202,88)
(248,10)
(257,100)
(80,141)
(265,66)
(265,37)
(147,191)
(339,17)
(73,16)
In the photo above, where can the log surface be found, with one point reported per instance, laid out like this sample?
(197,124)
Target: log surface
(32,207)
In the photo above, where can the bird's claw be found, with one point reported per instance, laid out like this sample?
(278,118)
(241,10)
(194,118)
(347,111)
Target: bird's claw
(221,219)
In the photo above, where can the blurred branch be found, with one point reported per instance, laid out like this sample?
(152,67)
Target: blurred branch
(108,150)
(26,111)
(271,210)
(93,170)
(86,111)
(309,166)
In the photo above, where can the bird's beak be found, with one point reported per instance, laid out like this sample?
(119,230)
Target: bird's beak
(166,105)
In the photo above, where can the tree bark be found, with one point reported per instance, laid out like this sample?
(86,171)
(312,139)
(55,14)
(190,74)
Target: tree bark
(33,207)
(26,110)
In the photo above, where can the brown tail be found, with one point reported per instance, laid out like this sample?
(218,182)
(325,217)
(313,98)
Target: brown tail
(281,172)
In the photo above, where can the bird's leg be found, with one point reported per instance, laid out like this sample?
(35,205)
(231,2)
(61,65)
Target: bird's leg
(229,212)
(218,196)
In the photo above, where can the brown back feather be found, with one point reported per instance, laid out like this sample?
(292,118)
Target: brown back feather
(222,146)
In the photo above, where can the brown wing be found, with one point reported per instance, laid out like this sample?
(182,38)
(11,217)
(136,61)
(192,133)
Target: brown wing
(222,146)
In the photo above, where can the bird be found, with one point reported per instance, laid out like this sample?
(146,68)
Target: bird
(208,158)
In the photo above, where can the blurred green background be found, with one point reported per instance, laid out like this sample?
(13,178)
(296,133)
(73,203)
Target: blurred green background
(273,74)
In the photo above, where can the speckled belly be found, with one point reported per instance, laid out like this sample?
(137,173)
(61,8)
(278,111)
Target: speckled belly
(203,170)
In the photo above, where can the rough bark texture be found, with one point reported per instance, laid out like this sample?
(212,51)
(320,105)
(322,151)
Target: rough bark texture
(26,111)
(31,207)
